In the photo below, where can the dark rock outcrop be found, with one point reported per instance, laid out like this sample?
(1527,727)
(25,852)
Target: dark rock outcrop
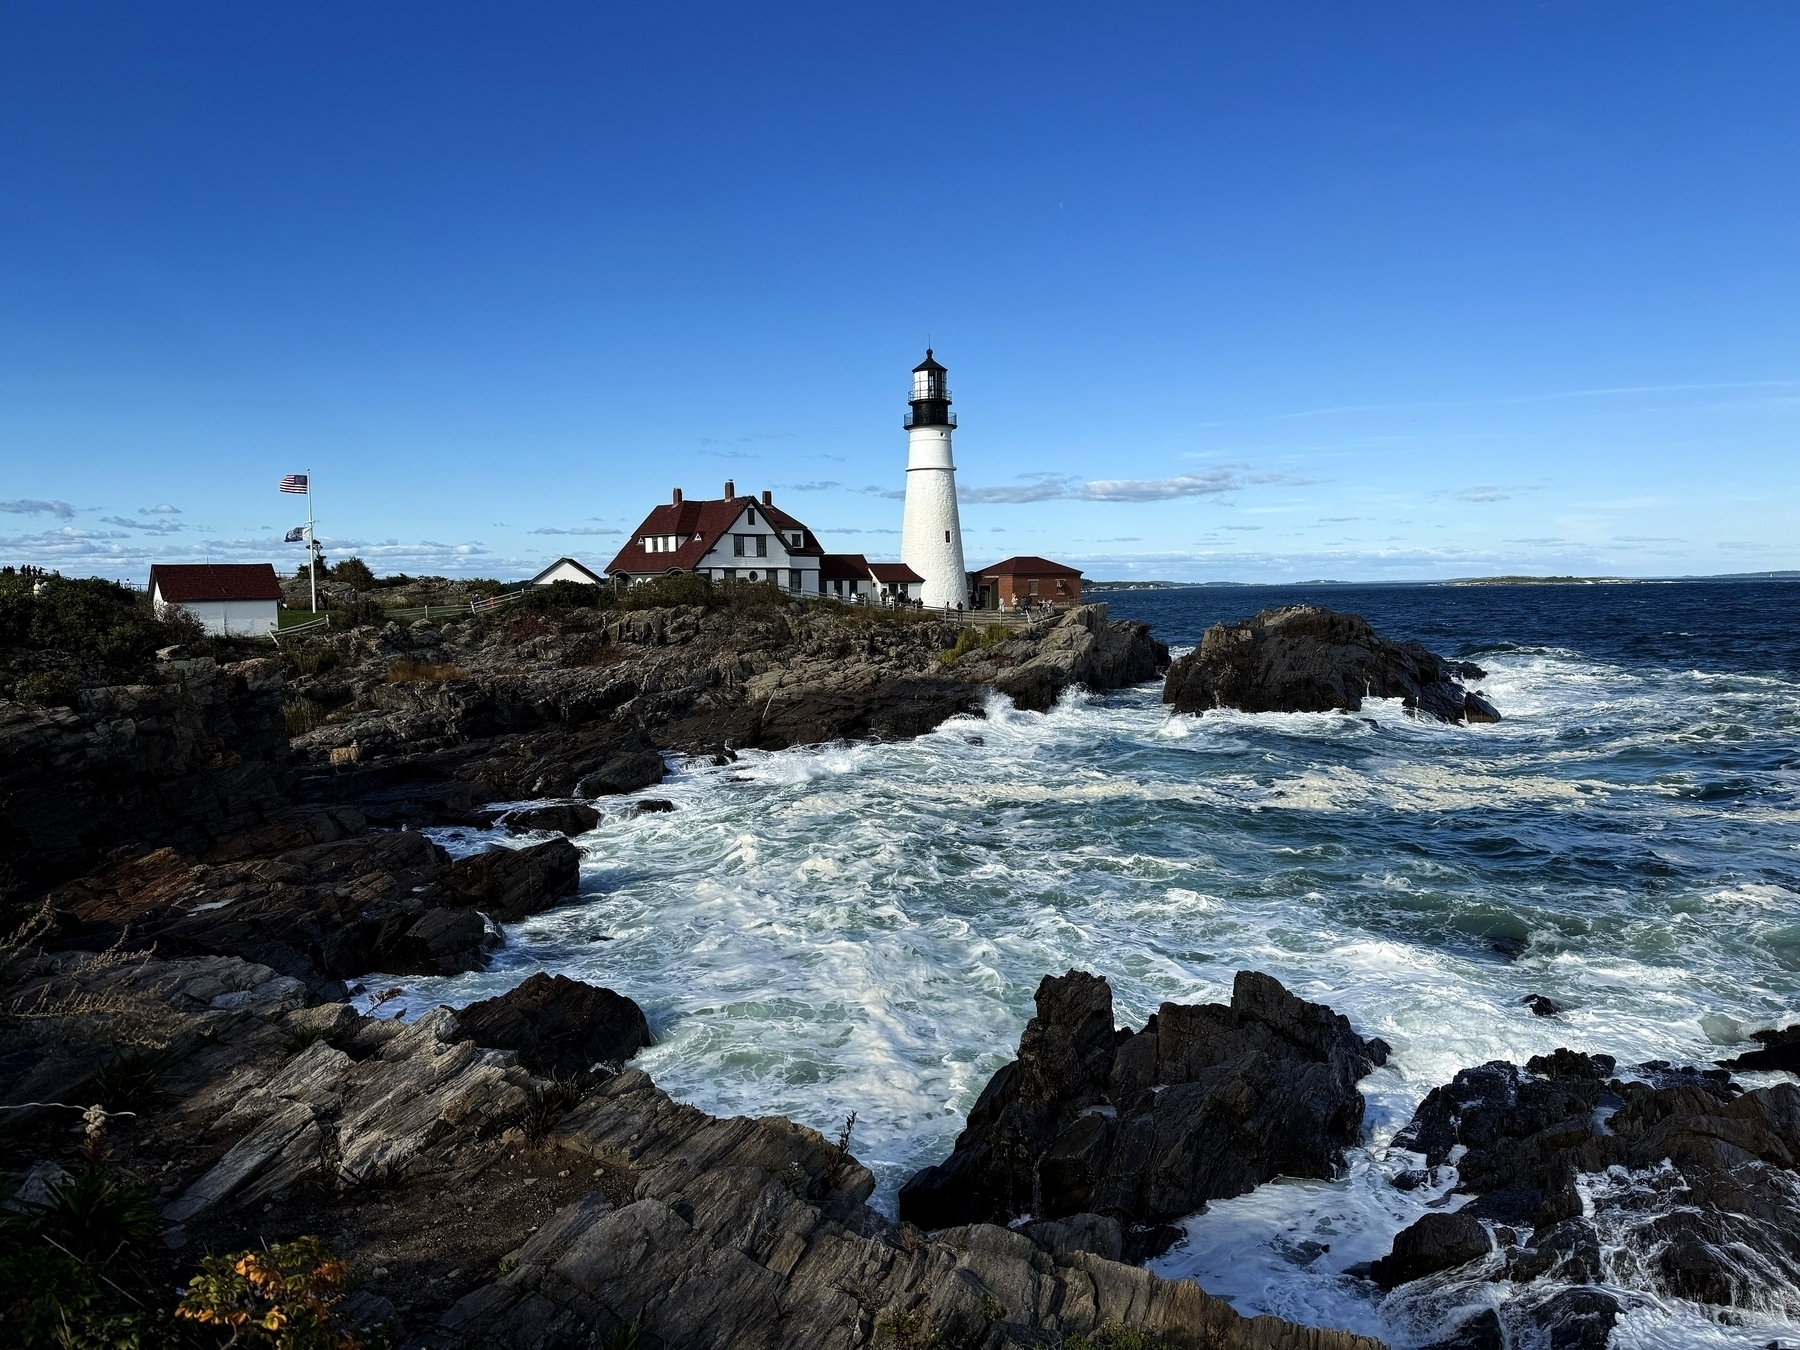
(559,1025)
(1780,1050)
(564,818)
(509,884)
(188,761)
(1304,658)
(324,912)
(1699,1176)
(1205,1102)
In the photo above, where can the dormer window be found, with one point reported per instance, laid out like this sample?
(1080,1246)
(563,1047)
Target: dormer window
(751,517)
(799,540)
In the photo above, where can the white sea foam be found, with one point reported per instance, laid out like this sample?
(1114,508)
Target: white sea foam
(861,928)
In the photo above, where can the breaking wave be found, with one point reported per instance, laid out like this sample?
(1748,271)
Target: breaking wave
(861,928)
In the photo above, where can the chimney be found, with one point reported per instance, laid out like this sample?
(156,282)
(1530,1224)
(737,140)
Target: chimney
(678,496)
(768,497)
(730,489)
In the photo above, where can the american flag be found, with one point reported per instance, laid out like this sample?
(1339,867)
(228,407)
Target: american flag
(294,482)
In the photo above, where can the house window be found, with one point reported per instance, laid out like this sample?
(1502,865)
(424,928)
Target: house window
(1031,588)
(762,545)
(752,576)
(731,574)
(751,518)
(798,541)
(737,545)
(1062,587)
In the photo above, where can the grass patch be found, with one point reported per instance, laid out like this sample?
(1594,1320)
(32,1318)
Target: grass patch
(301,716)
(974,639)
(408,671)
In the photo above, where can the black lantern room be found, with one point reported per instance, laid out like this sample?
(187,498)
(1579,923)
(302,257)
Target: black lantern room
(930,395)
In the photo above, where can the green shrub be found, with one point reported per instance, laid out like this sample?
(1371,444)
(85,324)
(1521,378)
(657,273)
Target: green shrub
(354,572)
(85,1270)
(284,1297)
(561,594)
(96,621)
(359,613)
(974,639)
(50,689)
(128,1083)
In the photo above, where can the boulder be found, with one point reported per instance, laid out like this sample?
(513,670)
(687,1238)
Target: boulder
(623,773)
(559,1025)
(1436,1242)
(509,884)
(1304,658)
(561,817)
(1205,1102)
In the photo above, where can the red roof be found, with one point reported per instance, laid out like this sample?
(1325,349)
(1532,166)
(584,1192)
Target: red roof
(699,524)
(186,583)
(1027,566)
(893,572)
(843,567)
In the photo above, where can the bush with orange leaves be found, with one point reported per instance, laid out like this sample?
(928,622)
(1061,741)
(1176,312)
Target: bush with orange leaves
(284,1297)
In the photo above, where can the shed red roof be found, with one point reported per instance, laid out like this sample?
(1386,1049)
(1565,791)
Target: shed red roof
(843,567)
(1027,566)
(891,572)
(186,583)
(699,524)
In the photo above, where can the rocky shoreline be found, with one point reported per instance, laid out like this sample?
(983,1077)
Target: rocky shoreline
(208,861)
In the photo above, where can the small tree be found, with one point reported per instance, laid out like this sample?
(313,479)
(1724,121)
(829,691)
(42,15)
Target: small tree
(354,572)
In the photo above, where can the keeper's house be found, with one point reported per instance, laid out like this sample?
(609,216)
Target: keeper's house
(730,538)
(235,598)
(1025,583)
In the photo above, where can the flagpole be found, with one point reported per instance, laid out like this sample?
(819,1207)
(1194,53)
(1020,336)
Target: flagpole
(312,549)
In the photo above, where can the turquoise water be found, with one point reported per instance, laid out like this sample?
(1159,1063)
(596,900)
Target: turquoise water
(861,928)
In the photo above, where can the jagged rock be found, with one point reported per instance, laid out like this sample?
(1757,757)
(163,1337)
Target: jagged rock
(652,806)
(1780,1050)
(562,817)
(326,1118)
(1308,659)
(559,1025)
(1206,1102)
(1706,1173)
(753,1233)
(1541,1006)
(1433,1243)
(508,884)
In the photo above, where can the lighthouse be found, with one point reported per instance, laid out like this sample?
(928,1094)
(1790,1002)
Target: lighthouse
(931,534)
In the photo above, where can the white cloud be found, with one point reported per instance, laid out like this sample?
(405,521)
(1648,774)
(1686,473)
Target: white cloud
(28,506)
(584,529)
(164,510)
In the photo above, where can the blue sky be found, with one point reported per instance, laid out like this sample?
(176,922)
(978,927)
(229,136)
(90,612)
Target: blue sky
(1227,292)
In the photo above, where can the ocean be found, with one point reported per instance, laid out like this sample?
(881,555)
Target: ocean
(860,928)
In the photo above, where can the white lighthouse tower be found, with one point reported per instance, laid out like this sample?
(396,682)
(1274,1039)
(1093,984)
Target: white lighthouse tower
(931,533)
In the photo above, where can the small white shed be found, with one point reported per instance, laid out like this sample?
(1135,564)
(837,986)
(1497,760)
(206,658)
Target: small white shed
(243,599)
(567,569)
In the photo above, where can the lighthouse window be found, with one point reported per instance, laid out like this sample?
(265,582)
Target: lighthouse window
(946,536)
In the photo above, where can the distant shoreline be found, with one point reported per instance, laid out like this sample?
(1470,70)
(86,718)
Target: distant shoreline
(1099,587)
